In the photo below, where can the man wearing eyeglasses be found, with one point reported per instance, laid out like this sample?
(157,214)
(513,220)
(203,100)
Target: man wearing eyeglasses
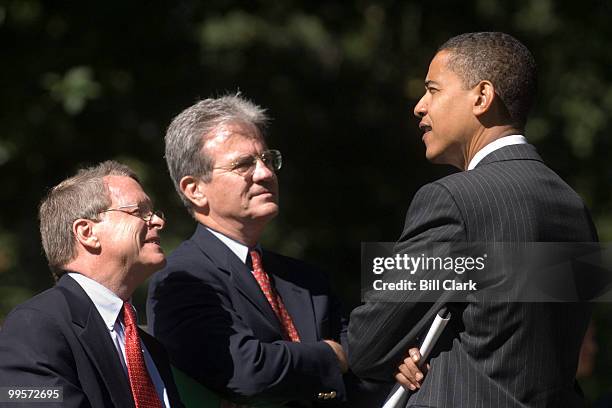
(79,340)
(248,323)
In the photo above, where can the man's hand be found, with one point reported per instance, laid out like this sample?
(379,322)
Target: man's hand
(342,360)
(410,375)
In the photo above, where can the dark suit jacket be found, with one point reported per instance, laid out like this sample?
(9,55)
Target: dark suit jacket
(491,354)
(58,339)
(208,310)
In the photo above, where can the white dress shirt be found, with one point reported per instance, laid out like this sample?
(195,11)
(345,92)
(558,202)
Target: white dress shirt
(238,248)
(109,306)
(494,145)
(241,250)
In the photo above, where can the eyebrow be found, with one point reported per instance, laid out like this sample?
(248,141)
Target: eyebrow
(121,207)
(244,156)
(430,82)
(148,204)
(138,205)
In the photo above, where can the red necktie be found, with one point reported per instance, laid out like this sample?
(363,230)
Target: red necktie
(273,298)
(143,390)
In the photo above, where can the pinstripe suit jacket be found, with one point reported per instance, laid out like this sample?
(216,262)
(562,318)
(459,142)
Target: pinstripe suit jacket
(491,354)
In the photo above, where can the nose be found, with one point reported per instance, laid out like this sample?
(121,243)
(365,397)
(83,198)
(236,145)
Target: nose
(420,109)
(262,172)
(157,222)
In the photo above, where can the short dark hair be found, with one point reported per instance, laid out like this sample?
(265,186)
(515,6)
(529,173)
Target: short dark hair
(501,59)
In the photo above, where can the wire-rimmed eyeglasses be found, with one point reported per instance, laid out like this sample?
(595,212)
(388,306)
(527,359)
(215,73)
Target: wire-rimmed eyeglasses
(245,165)
(145,214)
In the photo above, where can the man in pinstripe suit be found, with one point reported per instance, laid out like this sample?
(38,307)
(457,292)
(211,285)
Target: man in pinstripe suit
(479,90)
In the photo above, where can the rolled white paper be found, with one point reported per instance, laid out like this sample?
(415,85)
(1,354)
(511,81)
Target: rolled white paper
(397,400)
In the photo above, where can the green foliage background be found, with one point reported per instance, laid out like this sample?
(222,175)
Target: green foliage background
(91,81)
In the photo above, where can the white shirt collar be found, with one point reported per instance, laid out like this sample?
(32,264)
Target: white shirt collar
(494,145)
(238,248)
(108,304)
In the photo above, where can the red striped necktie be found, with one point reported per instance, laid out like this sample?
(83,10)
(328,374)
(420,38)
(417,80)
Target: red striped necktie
(142,387)
(262,278)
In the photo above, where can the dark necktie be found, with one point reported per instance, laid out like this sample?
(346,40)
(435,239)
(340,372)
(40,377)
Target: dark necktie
(262,278)
(142,387)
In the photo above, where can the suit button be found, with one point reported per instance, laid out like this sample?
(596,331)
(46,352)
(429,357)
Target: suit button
(326,395)
(332,394)
(320,395)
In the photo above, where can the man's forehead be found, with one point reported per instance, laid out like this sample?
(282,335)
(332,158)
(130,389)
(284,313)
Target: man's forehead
(438,69)
(233,137)
(439,61)
(125,190)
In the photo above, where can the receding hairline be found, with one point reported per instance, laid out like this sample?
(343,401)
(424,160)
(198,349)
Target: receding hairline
(109,190)
(227,131)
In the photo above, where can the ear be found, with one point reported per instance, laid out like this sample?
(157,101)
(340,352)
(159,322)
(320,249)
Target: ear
(485,94)
(195,190)
(84,233)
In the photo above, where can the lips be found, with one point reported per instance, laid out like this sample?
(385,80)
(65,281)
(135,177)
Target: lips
(258,193)
(152,240)
(424,127)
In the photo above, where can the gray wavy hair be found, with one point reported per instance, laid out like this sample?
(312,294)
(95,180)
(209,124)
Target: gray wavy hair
(191,128)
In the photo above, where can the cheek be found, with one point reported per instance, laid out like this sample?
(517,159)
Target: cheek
(244,199)
(443,104)
(242,195)
(122,230)
(131,232)
(231,198)
(141,234)
(128,229)
(228,195)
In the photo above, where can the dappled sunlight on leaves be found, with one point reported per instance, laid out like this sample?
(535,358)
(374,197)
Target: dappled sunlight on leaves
(537,16)
(74,89)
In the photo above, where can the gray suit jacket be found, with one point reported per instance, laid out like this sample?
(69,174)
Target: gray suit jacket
(491,354)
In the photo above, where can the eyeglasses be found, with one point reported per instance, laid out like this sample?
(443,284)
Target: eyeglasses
(245,165)
(145,214)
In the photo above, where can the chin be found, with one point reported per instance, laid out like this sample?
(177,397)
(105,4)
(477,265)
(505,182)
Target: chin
(146,268)
(266,212)
(155,265)
(432,157)
(267,208)
(436,156)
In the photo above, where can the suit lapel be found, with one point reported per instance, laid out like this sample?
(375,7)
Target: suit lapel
(96,341)
(245,282)
(297,299)
(240,275)
(299,305)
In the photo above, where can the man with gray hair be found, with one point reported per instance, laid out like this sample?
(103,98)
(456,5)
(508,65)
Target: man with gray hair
(246,322)
(78,344)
